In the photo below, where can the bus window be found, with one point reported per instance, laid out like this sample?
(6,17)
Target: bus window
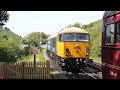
(118,32)
(110,34)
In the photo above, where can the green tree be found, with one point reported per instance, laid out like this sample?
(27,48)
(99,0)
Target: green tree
(9,50)
(91,25)
(43,35)
(4,16)
(43,38)
(95,31)
(78,25)
(30,39)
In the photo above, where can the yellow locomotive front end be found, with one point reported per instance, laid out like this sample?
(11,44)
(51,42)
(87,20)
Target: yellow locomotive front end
(77,50)
(73,46)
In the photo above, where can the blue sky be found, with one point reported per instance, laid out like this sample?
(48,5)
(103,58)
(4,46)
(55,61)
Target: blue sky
(49,22)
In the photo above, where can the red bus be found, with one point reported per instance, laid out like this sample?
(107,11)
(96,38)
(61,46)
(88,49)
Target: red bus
(111,45)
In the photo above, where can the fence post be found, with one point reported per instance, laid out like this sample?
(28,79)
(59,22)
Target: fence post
(48,69)
(4,70)
(23,70)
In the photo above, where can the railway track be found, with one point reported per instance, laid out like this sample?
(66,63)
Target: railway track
(88,72)
(95,65)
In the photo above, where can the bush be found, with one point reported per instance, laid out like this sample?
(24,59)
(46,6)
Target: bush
(27,51)
(9,50)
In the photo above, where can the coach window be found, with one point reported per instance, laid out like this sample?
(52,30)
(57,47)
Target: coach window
(110,34)
(118,32)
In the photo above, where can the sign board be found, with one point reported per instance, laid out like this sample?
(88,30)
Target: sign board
(35,51)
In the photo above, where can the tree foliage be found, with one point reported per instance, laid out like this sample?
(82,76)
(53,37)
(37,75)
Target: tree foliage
(78,25)
(4,16)
(30,39)
(43,38)
(9,50)
(95,30)
(9,34)
(9,46)
(34,39)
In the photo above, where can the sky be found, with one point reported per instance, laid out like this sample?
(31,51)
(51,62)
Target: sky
(24,22)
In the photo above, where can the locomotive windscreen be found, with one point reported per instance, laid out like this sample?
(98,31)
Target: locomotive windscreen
(74,37)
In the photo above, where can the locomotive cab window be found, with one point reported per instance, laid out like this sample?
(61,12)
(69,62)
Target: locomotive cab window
(110,34)
(83,37)
(67,37)
(118,32)
(71,37)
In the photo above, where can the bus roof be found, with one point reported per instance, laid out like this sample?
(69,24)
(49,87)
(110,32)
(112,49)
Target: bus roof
(109,13)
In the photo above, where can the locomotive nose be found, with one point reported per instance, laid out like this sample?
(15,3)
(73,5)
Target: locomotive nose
(77,47)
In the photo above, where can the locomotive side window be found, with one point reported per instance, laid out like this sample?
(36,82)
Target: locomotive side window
(118,32)
(61,38)
(110,34)
(54,42)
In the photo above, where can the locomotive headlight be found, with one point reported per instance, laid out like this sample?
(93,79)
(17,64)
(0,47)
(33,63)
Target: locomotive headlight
(67,51)
(87,52)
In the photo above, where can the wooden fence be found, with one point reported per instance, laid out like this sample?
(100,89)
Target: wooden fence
(25,70)
(2,68)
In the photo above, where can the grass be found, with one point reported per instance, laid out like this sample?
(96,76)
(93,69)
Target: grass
(39,57)
(96,59)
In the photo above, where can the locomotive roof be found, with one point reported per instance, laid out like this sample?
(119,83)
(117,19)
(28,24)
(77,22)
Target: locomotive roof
(109,13)
(73,30)
(52,36)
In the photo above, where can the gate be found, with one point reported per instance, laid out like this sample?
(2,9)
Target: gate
(25,70)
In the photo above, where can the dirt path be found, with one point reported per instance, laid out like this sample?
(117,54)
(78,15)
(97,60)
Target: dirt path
(45,55)
(54,67)
(47,58)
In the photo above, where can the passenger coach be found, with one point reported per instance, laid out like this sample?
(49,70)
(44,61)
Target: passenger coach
(111,45)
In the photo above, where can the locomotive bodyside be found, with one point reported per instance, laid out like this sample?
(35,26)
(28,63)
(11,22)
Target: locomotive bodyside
(51,45)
